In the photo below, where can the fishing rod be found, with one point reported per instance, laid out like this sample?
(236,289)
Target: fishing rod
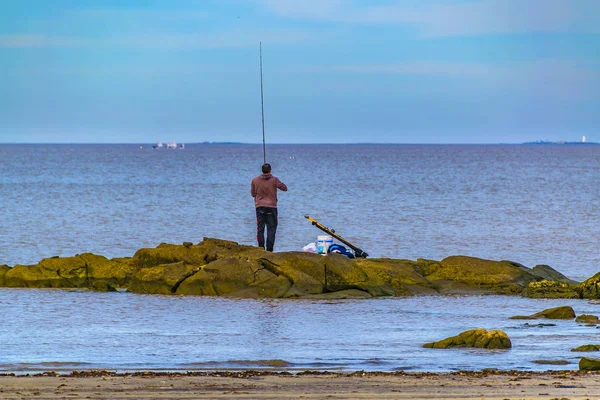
(357,252)
(262,107)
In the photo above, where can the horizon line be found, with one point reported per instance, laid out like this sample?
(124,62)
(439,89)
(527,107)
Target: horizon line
(295,143)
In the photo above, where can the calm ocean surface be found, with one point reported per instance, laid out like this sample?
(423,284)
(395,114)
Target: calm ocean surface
(533,204)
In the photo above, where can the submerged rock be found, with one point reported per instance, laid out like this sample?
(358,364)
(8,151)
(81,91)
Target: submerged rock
(478,338)
(588,319)
(537,325)
(564,312)
(587,347)
(589,364)
(551,362)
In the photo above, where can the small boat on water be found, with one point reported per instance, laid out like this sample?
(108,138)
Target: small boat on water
(168,145)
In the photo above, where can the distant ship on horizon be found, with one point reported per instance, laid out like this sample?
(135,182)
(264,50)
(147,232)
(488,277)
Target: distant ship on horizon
(169,145)
(583,141)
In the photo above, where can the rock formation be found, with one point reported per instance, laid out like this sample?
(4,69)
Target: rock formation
(564,312)
(589,364)
(478,338)
(588,319)
(222,268)
(590,288)
(587,347)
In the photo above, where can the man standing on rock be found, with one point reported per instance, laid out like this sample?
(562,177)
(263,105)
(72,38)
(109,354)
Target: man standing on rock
(264,190)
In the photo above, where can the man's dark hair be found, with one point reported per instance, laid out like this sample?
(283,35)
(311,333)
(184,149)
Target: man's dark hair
(266,168)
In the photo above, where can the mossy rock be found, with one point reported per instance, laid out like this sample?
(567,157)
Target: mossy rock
(103,272)
(225,268)
(307,272)
(590,288)
(589,364)
(389,277)
(3,270)
(162,279)
(498,276)
(203,253)
(477,338)
(546,289)
(548,273)
(55,272)
(587,347)
(587,319)
(564,312)
(313,274)
(235,277)
(81,271)
(222,268)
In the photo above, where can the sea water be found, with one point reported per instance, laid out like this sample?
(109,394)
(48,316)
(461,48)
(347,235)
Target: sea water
(533,204)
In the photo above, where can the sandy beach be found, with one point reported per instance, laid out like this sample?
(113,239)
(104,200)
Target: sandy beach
(307,385)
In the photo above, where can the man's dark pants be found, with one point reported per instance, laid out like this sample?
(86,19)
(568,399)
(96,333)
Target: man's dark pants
(266,216)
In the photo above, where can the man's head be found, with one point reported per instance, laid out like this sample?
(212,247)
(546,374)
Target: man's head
(266,168)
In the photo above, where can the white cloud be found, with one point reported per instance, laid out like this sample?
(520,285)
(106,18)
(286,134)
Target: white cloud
(459,19)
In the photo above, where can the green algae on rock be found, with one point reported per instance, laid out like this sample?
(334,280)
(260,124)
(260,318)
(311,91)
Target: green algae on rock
(587,347)
(216,267)
(564,312)
(546,289)
(80,271)
(588,319)
(590,288)
(478,338)
(501,277)
(3,270)
(589,364)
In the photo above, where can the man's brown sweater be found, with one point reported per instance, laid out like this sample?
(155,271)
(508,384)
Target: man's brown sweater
(264,190)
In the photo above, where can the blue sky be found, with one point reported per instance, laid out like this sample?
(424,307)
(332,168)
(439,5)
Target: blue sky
(414,71)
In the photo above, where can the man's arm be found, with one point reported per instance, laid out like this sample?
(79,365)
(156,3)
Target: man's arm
(281,186)
(253,189)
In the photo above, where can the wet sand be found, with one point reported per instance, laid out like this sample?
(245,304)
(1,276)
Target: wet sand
(307,385)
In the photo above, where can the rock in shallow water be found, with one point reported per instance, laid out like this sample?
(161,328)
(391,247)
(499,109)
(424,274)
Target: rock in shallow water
(589,364)
(564,312)
(477,338)
(588,319)
(551,362)
(587,347)
(3,270)
(223,268)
